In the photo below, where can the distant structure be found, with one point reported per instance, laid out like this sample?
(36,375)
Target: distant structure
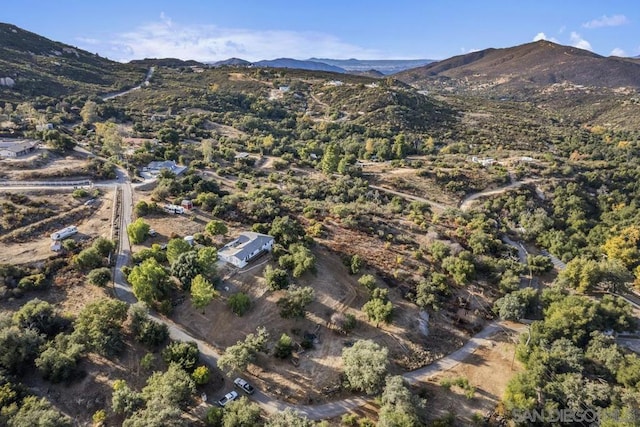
(13,148)
(153,169)
(488,161)
(246,247)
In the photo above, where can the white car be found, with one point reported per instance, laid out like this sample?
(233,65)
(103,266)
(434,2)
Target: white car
(244,385)
(229,397)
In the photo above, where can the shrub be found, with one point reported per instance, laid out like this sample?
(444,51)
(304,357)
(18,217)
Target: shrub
(80,193)
(239,303)
(99,276)
(33,282)
(201,375)
(284,346)
(184,354)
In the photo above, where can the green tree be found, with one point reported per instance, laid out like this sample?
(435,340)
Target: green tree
(59,359)
(430,292)
(288,418)
(516,305)
(299,260)
(286,230)
(124,400)
(19,347)
(330,159)
(103,246)
(201,375)
(89,112)
(238,356)
(88,259)
(144,329)
(40,316)
(99,326)
(356,264)
(241,413)
(460,267)
(202,292)
(38,412)
(378,310)
(276,278)
(368,281)
(99,276)
(175,248)
(183,354)
(215,228)
(439,250)
(138,231)
(365,365)
(173,387)
(283,347)
(149,281)
(185,268)
(293,304)
(239,303)
(398,406)
(207,259)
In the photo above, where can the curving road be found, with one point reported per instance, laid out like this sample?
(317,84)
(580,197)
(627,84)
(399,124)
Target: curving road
(209,355)
(466,203)
(144,83)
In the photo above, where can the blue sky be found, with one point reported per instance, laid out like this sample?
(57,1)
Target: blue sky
(209,30)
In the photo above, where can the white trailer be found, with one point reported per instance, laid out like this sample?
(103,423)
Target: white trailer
(64,233)
(174,209)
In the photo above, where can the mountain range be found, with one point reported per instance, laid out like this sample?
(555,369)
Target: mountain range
(31,65)
(378,67)
(530,66)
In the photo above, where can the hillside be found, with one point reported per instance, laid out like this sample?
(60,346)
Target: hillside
(32,65)
(529,66)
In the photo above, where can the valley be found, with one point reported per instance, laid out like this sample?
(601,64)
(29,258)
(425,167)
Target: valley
(428,232)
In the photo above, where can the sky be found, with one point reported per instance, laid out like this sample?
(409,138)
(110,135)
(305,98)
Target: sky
(212,30)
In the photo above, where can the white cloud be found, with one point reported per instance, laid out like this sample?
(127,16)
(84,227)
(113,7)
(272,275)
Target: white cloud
(166,38)
(464,50)
(579,42)
(606,21)
(618,52)
(562,29)
(543,36)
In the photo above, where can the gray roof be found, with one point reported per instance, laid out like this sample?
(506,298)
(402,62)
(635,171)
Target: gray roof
(17,145)
(246,244)
(167,164)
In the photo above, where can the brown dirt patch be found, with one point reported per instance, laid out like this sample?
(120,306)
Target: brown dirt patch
(37,245)
(317,376)
(488,369)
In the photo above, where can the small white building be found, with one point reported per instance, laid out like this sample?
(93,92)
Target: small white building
(246,247)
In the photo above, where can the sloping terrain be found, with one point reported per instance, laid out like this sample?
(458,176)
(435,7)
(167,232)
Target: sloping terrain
(531,65)
(32,65)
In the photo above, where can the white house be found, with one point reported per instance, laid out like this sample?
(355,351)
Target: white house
(246,247)
(16,148)
(153,169)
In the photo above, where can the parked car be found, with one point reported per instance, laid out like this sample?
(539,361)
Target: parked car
(245,386)
(153,232)
(229,397)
